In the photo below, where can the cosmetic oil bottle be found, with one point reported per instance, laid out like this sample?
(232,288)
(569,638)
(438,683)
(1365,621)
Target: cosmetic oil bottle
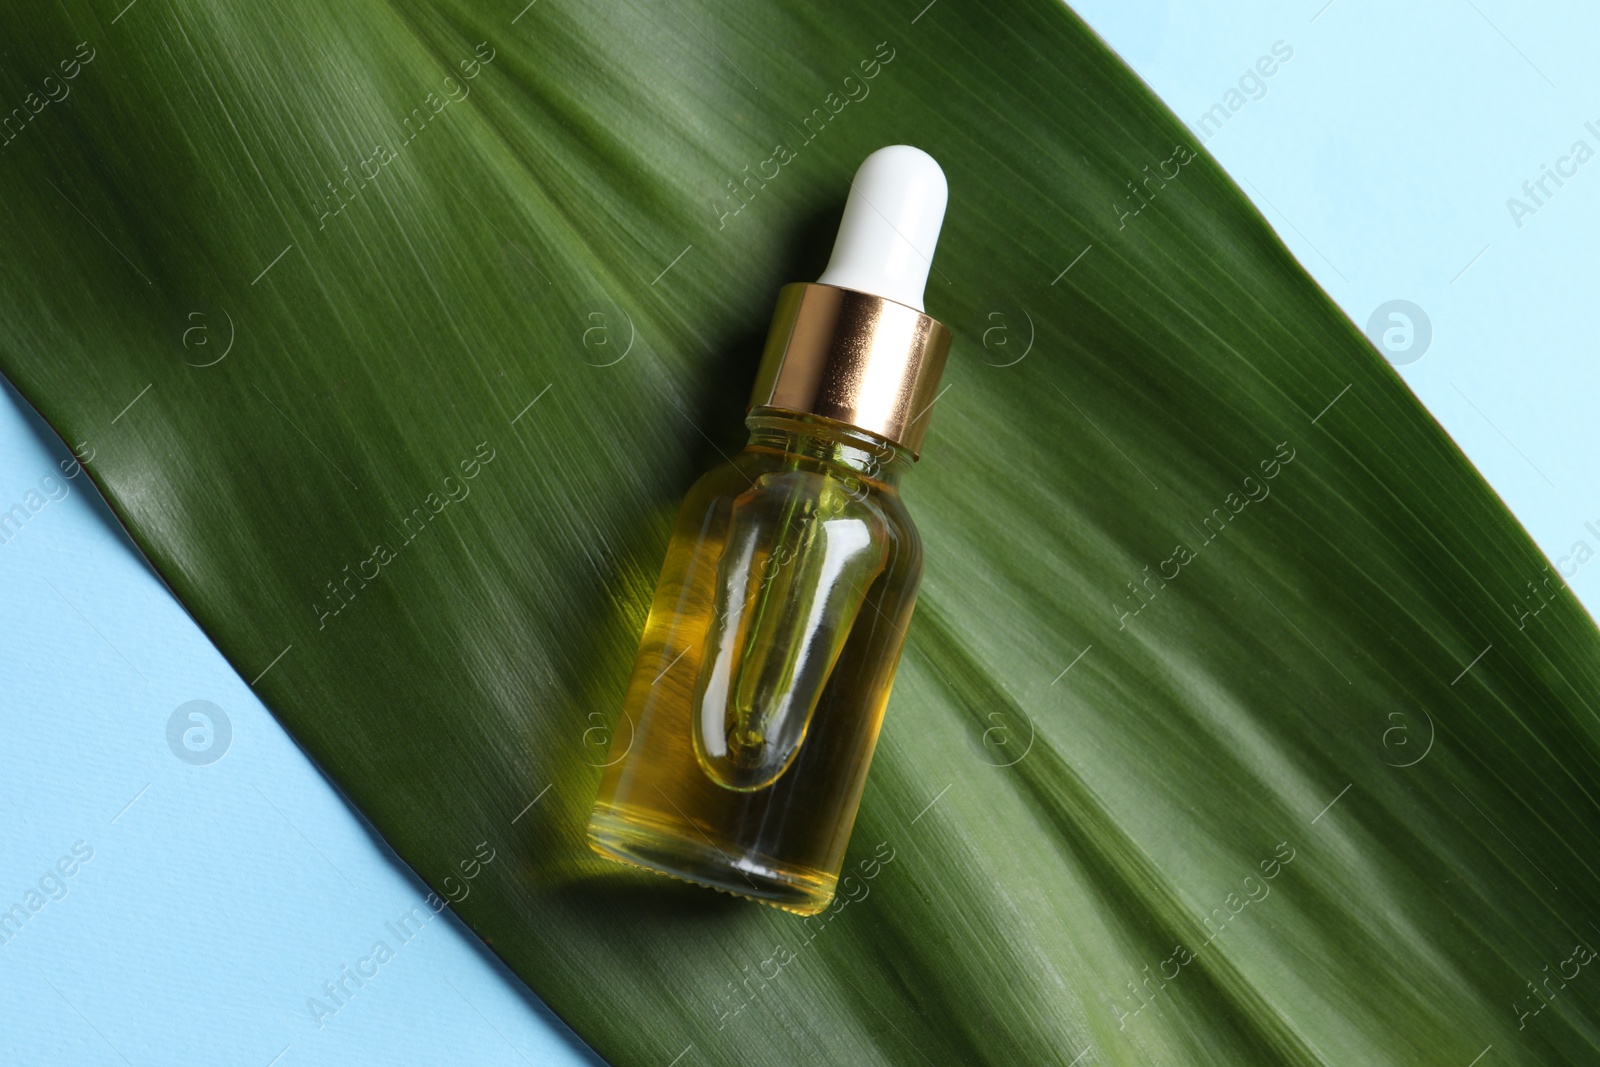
(779,617)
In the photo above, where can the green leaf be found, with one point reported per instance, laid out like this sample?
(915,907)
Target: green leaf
(477,283)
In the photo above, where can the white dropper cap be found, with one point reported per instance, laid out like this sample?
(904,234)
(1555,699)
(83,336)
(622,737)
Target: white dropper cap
(890,226)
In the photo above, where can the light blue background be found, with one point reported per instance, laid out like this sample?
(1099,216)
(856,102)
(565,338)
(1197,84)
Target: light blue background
(220,897)
(223,896)
(1384,153)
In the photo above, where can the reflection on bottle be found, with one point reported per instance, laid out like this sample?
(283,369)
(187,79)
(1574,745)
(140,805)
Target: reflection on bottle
(802,550)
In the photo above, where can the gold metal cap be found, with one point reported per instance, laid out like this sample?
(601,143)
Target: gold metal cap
(854,358)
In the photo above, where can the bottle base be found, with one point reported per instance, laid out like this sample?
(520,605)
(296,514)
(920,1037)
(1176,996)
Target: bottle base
(645,843)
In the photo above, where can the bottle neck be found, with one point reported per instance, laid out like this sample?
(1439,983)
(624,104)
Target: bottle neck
(834,443)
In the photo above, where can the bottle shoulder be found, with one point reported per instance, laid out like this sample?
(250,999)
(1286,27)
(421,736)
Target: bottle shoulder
(760,478)
(751,469)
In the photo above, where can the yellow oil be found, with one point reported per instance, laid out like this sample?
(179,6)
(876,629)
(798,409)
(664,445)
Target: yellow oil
(765,667)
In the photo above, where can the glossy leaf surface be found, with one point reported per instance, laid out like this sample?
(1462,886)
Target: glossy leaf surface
(1239,723)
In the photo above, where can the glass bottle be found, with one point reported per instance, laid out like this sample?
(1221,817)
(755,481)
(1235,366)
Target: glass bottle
(768,655)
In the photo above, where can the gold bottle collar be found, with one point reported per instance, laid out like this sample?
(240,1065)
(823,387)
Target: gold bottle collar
(854,358)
